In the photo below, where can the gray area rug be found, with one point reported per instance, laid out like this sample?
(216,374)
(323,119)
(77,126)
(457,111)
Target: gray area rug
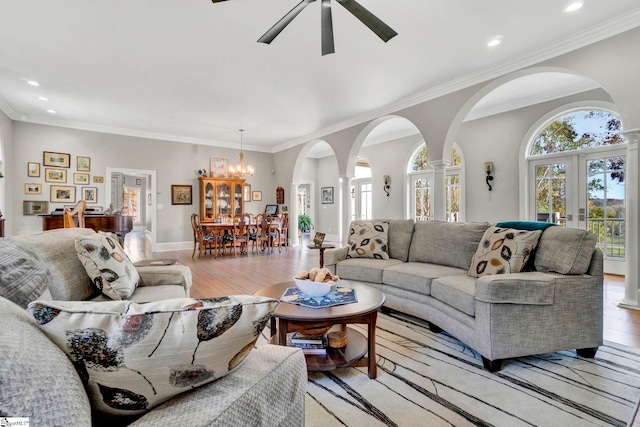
(427,379)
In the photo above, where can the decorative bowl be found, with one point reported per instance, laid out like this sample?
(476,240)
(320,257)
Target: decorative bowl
(314,289)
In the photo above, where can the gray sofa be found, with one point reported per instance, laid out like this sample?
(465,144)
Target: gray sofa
(558,305)
(37,379)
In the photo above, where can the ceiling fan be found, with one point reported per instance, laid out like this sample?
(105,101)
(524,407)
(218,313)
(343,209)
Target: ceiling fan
(374,23)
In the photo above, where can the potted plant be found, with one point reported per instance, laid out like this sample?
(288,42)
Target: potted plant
(304,224)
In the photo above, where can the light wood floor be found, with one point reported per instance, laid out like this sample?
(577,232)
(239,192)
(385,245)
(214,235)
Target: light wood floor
(245,275)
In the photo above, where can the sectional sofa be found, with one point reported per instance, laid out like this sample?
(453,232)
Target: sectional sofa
(39,381)
(555,303)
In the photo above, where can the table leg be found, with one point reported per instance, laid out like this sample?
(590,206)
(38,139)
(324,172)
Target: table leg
(371,331)
(282,332)
(321,257)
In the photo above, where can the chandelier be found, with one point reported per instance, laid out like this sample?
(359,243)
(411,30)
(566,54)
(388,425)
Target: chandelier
(240,170)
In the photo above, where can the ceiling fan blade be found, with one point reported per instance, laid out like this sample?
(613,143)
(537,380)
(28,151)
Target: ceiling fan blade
(375,24)
(281,24)
(327,28)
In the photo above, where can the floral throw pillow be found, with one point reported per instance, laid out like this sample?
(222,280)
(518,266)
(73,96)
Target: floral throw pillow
(131,357)
(503,251)
(107,265)
(369,240)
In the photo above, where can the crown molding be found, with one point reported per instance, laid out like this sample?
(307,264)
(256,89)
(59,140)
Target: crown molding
(6,108)
(576,41)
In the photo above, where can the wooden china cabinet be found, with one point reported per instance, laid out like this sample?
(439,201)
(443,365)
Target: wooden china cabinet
(220,196)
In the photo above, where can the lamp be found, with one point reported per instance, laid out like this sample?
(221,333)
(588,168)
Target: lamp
(240,170)
(387,182)
(488,168)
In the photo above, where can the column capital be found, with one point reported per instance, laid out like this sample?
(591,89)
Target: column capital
(439,164)
(631,135)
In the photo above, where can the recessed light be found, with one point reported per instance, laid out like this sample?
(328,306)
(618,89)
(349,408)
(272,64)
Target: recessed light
(33,83)
(43,98)
(574,6)
(495,41)
(51,111)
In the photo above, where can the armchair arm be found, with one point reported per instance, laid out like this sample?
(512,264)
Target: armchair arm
(176,274)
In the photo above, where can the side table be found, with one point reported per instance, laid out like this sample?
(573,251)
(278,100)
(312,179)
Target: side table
(322,248)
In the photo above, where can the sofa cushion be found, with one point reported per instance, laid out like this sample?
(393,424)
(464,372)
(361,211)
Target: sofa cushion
(56,248)
(503,251)
(23,277)
(416,276)
(107,265)
(565,250)
(364,269)
(37,380)
(456,291)
(531,288)
(400,235)
(133,356)
(446,243)
(369,240)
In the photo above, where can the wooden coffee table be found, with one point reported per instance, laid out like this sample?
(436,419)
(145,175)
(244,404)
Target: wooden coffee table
(291,317)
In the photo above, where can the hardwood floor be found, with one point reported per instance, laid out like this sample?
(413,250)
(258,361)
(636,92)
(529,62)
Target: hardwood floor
(245,275)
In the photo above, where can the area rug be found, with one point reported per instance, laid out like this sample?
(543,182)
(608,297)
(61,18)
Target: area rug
(428,379)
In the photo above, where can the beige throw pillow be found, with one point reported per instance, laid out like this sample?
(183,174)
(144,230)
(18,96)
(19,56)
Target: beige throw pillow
(503,251)
(369,240)
(107,265)
(132,357)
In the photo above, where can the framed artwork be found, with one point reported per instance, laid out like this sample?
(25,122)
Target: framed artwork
(33,169)
(98,179)
(327,195)
(181,194)
(318,239)
(55,175)
(219,168)
(62,194)
(90,194)
(83,164)
(33,188)
(256,196)
(280,195)
(246,195)
(60,160)
(34,207)
(81,178)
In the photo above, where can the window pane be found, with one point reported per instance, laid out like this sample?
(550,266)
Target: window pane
(453,197)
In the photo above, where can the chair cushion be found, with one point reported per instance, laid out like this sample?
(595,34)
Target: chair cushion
(565,250)
(37,380)
(503,251)
(369,240)
(107,265)
(132,356)
(23,278)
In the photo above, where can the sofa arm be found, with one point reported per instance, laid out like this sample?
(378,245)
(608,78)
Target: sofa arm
(268,389)
(334,256)
(176,274)
(518,288)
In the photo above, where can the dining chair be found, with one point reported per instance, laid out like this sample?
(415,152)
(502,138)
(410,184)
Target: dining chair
(202,239)
(241,234)
(263,236)
(74,216)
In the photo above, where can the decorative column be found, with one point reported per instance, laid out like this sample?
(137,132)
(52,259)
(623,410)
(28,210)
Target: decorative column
(632,221)
(439,190)
(293,214)
(345,209)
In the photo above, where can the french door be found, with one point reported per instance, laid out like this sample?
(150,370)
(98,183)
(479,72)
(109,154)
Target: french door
(362,199)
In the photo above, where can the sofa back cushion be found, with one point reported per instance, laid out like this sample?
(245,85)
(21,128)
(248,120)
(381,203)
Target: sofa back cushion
(57,249)
(23,278)
(565,250)
(446,243)
(399,237)
(37,380)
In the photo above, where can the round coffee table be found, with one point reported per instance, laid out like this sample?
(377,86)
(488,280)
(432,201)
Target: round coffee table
(292,317)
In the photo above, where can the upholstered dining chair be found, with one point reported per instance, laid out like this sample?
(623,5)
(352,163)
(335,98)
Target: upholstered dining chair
(74,217)
(201,238)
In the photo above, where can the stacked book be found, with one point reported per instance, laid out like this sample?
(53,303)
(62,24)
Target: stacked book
(310,344)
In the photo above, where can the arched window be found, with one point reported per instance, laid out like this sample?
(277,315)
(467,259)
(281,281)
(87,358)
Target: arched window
(576,167)
(421,179)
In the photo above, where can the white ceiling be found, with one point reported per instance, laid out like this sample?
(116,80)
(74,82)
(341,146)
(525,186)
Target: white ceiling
(192,71)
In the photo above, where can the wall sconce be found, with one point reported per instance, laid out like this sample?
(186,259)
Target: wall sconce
(387,182)
(488,168)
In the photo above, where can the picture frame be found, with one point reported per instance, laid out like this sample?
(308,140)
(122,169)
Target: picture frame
(219,168)
(33,169)
(181,194)
(33,188)
(34,207)
(58,160)
(98,179)
(83,164)
(246,195)
(90,194)
(81,178)
(318,239)
(326,195)
(55,175)
(62,194)
(256,196)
